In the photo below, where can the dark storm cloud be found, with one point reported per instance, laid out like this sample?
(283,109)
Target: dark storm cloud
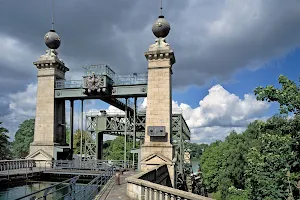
(85,27)
(210,38)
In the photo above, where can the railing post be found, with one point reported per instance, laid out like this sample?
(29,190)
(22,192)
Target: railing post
(146,194)
(155,195)
(46,193)
(172,197)
(150,194)
(166,196)
(161,195)
(8,171)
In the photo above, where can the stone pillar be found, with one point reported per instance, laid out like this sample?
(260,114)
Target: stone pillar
(50,113)
(158,149)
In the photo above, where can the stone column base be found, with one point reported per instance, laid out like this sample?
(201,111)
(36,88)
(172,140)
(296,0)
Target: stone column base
(158,154)
(44,151)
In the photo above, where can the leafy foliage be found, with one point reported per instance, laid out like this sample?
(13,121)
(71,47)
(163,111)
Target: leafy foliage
(23,138)
(86,138)
(196,150)
(4,144)
(68,132)
(288,96)
(114,149)
(263,161)
(268,166)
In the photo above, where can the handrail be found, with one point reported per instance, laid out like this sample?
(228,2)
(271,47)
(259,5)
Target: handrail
(47,188)
(146,189)
(89,191)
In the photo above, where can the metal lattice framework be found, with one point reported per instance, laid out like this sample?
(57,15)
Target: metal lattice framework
(114,124)
(101,82)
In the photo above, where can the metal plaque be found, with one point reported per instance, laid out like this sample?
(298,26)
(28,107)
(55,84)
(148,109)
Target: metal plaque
(156,131)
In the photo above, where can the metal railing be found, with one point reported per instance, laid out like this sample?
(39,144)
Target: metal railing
(16,164)
(30,168)
(117,80)
(130,79)
(100,69)
(142,186)
(22,168)
(65,84)
(69,189)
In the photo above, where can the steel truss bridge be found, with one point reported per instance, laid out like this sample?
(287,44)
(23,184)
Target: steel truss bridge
(100,82)
(120,125)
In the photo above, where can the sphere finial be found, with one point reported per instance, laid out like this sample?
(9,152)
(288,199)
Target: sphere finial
(52,40)
(161,26)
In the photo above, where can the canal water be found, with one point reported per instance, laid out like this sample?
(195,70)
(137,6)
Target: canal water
(11,193)
(195,165)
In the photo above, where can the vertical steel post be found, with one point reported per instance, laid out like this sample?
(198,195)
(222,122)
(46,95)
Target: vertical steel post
(125,133)
(81,132)
(71,126)
(134,129)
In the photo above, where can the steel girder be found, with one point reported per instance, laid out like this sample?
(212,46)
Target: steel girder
(114,124)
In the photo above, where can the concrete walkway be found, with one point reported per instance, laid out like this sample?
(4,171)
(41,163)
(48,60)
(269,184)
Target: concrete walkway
(117,192)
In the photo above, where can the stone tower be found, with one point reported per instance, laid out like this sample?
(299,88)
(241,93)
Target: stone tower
(49,132)
(157,148)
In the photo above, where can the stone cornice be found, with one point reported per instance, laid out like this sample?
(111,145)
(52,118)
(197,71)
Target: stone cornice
(161,54)
(51,64)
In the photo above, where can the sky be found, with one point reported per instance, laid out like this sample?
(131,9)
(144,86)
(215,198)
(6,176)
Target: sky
(224,49)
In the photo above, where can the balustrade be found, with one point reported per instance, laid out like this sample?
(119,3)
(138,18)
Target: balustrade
(143,187)
(16,164)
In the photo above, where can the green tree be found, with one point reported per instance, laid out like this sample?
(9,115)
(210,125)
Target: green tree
(86,138)
(114,149)
(211,163)
(268,164)
(4,144)
(68,132)
(196,149)
(288,96)
(23,138)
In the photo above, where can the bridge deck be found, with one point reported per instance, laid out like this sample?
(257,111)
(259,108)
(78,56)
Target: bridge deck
(75,172)
(117,192)
(35,171)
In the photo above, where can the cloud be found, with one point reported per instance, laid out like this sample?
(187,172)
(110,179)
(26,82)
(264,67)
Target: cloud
(21,106)
(219,113)
(211,39)
(211,134)
(220,108)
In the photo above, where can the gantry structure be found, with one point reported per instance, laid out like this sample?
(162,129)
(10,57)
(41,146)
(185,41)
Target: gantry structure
(118,90)
(162,134)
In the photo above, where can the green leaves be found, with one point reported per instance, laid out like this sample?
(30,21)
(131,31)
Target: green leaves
(288,96)
(254,164)
(4,144)
(86,138)
(267,166)
(114,149)
(23,138)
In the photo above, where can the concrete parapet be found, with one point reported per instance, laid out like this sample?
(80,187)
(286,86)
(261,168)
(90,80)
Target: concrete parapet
(140,189)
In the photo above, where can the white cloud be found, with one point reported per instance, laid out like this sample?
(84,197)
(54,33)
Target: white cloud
(219,113)
(21,107)
(220,108)
(24,103)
